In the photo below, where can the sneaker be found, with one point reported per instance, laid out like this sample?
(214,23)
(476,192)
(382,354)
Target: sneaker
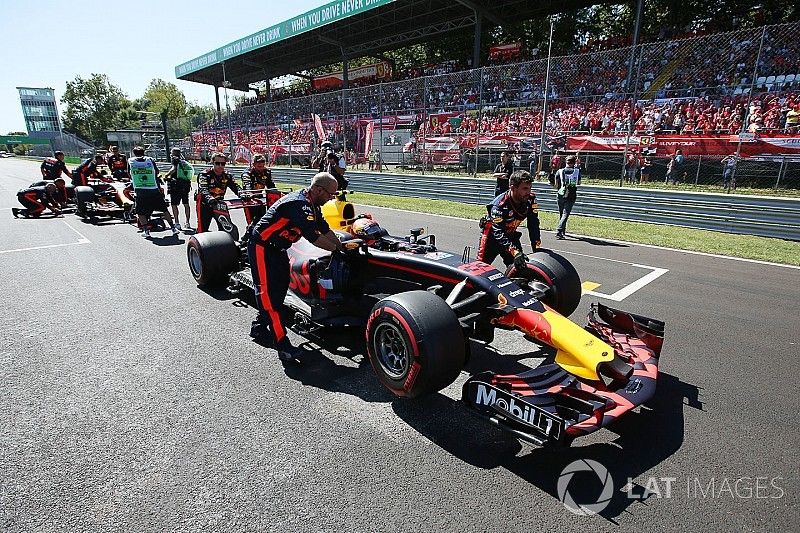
(560,236)
(15,212)
(188,225)
(177,226)
(175,230)
(290,354)
(146,233)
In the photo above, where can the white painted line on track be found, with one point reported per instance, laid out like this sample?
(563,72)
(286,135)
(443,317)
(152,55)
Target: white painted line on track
(631,288)
(624,292)
(705,254)
(81,240)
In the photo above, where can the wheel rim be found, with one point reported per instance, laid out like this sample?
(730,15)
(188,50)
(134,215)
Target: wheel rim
(392,350)
(195,263)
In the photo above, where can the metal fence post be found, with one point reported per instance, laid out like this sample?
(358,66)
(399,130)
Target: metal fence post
(480,119)
(780,172)
(697,175)
(380,105)
(421,145)
(749,100)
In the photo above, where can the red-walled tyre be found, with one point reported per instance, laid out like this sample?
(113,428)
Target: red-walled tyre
(415,343)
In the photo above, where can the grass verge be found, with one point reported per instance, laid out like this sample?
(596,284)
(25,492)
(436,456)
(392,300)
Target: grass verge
(749,247)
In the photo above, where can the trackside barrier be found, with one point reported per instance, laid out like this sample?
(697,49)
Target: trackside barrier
(745,215)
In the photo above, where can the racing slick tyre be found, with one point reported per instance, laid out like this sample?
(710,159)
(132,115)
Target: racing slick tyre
(415,343)
(212,257)
(83,195)
(563,284)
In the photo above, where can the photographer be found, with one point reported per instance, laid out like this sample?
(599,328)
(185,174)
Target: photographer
(329,161)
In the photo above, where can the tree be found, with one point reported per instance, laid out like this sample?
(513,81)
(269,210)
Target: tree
(93,106)
(164,96)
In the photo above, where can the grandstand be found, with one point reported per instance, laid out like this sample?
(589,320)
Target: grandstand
(698,93)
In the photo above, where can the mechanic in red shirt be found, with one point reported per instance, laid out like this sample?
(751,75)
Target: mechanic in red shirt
(212,184)
(256,178)
(53,167)
(506,213)
(118,165)
(293,216)
(36,200)
(87,170)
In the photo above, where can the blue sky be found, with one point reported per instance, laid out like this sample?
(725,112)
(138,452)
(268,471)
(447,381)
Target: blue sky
(47,43)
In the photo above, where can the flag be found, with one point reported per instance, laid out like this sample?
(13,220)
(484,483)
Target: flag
(368,140)
(319,128)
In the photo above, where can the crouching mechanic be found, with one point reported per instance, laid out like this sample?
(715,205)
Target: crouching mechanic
(293,216)
(212,184)
(87,170)
(36,200)
(506,213)
(149,198)
(179,185)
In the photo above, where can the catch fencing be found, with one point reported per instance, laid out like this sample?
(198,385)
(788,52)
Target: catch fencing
(705,89)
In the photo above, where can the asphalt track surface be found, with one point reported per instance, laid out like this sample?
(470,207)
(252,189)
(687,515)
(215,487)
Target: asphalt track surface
(132,400)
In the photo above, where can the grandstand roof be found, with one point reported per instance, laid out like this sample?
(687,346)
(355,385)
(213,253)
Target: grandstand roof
(356,28)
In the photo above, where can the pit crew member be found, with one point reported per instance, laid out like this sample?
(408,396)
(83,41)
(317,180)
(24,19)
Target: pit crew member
(506,212)
(36,200)
(53,167)
(294,216)
(145,179)
(87,170)
(118,165)
(213,183)
(256,178)
(179,185)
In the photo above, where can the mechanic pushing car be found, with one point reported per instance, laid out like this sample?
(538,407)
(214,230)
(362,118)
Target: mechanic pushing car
(87,170)
(294,216)
(179,185)
(256,178)
(506,212)
(53,167)
(149,198)
(118,165)
(36,200)
(213,183)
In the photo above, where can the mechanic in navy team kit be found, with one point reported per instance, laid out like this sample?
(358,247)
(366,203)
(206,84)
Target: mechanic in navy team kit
(257,178)
(213,183)
(118,165)
(36,200)
(506,213)
(179,185)
(87,170)
(293,216)
(53,167)
(149,198)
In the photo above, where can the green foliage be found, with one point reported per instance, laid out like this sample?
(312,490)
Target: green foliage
(163,96)
(93,106)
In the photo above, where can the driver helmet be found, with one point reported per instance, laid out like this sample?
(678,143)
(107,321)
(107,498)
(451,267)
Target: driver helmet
(367,230)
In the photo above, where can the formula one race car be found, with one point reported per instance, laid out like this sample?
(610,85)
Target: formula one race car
(419,306)
(109,199)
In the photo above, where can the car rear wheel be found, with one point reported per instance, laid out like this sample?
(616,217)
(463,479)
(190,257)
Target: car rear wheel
(554,277)
(415,343)
(212,257)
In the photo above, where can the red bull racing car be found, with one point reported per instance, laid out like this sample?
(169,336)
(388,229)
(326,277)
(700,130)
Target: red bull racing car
(419,306)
